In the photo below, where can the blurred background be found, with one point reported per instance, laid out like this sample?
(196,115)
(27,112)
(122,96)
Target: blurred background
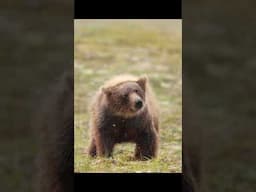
(104,48)
(36,48)
(219,94)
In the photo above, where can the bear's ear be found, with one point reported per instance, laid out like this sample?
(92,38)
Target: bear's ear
(142,82)
(106,91)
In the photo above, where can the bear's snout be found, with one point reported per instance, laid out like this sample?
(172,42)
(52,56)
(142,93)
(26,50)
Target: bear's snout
(138,104)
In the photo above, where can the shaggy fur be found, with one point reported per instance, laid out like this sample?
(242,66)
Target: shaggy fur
(125,111)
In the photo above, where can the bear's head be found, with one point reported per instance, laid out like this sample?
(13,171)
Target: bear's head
(126,99)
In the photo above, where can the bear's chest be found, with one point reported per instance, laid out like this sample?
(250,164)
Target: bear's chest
(124,129)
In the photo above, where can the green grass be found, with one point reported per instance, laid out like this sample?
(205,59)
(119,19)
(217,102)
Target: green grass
(107,48)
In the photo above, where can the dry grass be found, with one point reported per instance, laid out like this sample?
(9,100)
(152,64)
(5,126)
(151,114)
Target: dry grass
(107,48)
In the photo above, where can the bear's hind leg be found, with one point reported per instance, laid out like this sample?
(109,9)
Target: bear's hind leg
(104,146)
(108,147)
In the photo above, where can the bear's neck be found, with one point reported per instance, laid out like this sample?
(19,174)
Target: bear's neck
(107,113)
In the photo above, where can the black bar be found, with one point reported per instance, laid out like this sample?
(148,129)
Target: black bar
(128,181)
(128,9)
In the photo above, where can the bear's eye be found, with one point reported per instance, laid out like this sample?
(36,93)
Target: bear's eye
(125,95)
(136,90)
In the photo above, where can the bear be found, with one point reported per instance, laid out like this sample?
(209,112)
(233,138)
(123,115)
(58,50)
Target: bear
(125,110)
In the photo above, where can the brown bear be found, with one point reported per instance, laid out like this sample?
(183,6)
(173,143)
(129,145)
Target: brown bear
(125,110)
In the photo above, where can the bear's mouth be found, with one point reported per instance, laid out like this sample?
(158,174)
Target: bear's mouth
(129,113)
(133,110)
(136,109)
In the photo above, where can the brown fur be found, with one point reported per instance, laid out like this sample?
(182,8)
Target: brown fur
(116,118)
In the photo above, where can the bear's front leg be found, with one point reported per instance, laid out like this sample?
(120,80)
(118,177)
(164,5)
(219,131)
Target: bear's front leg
(104,144)
(92,148)
(147,146)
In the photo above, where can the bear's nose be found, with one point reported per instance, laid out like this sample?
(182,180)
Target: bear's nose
(138,104)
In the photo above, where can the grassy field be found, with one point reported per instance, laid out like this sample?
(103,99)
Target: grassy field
(107,48)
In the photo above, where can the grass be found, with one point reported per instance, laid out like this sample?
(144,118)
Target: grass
(107,48)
